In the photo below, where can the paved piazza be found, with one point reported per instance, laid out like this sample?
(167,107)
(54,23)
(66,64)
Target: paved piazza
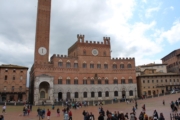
(151,104)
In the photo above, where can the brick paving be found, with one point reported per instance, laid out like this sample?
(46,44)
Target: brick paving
(13,112)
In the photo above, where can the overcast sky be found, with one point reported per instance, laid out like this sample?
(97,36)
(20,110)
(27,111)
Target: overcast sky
(144,29)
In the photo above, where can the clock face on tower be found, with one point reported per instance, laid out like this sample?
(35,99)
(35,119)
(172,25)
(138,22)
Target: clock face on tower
(95,52)
(42,50)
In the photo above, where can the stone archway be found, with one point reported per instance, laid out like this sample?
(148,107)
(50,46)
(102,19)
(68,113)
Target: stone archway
(44,85)
(124,94)
(44,91)
(60,95)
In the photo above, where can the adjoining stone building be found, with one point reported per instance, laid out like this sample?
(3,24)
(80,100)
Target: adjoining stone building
(13,83)
(173,61)
(152,79)
(87,73)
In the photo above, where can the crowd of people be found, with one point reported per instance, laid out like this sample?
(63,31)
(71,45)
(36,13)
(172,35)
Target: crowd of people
(103,115)
(26,109)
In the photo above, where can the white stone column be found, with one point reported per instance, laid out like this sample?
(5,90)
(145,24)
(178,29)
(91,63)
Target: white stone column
(103,95)
(119,94)
(96,94)
(51,95)
(56,97)
(111,95)
(89,95)
(127,94)
(72,95)
(36,96)
(64,96)
(80,96)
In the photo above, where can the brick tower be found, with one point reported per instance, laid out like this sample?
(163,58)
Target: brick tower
(42,31)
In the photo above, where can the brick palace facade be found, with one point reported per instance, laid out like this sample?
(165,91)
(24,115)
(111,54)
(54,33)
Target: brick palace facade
(87,73)
(13,83)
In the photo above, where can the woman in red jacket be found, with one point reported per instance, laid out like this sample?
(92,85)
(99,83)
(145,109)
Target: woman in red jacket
(48,114)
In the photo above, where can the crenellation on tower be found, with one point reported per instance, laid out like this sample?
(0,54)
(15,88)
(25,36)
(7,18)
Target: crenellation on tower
(80,38)
(106,40)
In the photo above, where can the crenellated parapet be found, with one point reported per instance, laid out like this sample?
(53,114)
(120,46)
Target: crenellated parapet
(81,40)
(123,58)
(60,56)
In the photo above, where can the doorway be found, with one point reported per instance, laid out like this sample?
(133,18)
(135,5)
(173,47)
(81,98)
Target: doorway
(124,94)
(59,96)
(68,95)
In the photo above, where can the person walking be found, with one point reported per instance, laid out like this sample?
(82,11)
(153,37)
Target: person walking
(163,102)
(4,109)
(132,116)
(58,112)
(100,116)
(43,112)
(136,105)
(144,108)
(126,116)
(70,115)
(91,116)
(155,115)
(66,116)
(134,109)
(48,114)
(145,116)
(53,107)
(110,117)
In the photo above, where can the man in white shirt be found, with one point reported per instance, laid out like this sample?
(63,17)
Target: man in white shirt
(4,109)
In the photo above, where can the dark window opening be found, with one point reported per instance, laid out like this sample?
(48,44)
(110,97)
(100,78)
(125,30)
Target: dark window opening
(121,65)
(123,81)
(115,81)
(129,66)
(60,64)
(59,81)
(99,94)
(85,94)
(115,93)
